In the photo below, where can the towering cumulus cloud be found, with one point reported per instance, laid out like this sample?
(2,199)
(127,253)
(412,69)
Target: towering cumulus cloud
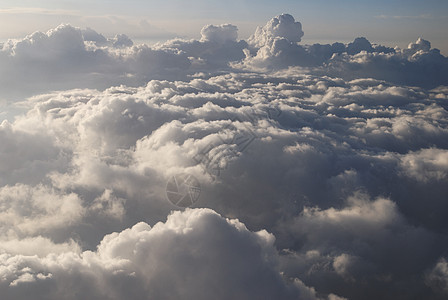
(313,171)
(280,27)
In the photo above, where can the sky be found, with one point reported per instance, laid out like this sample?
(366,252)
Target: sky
(386,22)
(231,159)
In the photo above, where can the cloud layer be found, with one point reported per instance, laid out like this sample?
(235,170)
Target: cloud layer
(68,57)
(322,177)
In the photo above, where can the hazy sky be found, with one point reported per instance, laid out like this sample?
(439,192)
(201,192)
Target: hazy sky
(387,22)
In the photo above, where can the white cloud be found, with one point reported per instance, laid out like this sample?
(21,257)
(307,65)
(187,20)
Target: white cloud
(28,211)
(194,254)
(423,16)
(426,165)
(38,245)
(62,58)
(348,173)
(70,57)
(219,34)
(35,10)
(283,27)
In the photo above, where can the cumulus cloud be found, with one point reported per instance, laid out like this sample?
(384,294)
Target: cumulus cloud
(69,57)
(348,245)
(340,165)
(275,46)
(345,168)
(426,165)
(219,34)
(193,255)
(281,27)
(418,65)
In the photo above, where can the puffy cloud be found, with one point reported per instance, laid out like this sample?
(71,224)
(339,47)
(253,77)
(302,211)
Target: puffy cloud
(426,165)
(283,26)
(90,35)
(219,34)
(344,250)
(358,45)
(29,211)
(274,46)
(36,246)
(420,45)
(348,173)
(217,47)
(417,66)
(194,254)
(68,57)
(321,141)
(425,68)
(27,158)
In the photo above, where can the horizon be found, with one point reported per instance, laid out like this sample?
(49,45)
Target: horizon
(391,23)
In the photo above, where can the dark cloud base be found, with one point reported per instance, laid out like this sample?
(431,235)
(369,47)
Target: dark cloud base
(322,169)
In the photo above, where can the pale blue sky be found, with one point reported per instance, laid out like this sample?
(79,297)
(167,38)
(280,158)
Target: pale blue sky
(389,22)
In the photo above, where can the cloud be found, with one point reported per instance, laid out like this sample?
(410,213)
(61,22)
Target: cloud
(341,162)
(229,262)
(423,16)
(426,165)
(281,27)
(418,66)
(30,211)
(63,58)
(36,10)
(27,158)
(69,57)
(275,48)
(345,166)
(219,34)
(438,277)
(350,239)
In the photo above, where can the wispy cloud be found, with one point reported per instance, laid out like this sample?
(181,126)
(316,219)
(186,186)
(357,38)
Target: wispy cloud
(37,11)
(423,16)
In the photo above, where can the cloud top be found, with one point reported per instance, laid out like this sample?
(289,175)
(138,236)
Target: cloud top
(283,26)
(69,57)
(219,34)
